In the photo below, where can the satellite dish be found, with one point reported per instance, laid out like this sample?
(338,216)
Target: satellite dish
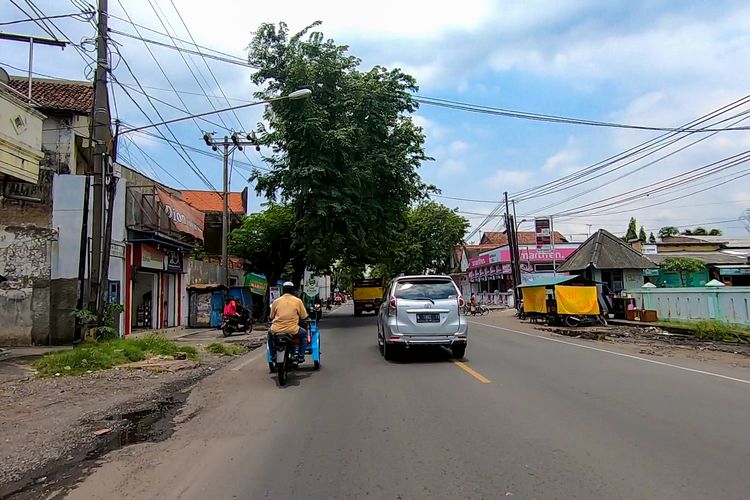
(4,77)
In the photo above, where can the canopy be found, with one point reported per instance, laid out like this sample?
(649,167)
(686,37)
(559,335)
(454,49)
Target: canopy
(534,299)
(581,300)
(548,281)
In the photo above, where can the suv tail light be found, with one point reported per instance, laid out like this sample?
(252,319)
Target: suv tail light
(392,307)
(461,301)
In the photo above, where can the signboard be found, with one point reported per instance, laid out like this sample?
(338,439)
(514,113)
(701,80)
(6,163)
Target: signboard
(257,283)
(174,261)
(479,261)
(182,217)
(651,272)
(311,286)
(734,271)
(274,293)
(543,233)
(152,258)
(649,249)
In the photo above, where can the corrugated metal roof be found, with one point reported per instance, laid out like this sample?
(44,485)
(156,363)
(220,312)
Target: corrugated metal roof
(548,281)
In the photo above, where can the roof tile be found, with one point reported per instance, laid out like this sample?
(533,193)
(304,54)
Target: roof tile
(211,201)
(57,95)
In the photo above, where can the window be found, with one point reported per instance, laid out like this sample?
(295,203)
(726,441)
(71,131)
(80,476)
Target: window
(543,267)
(425,289)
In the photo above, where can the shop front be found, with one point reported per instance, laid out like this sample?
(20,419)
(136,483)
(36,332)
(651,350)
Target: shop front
(155,286)
(491,271)
(162,230)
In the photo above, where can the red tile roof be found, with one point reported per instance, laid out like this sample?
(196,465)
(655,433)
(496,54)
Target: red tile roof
(524,238)
(57,95)
(210,201)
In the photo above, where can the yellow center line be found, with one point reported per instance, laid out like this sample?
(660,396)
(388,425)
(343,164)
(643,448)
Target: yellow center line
(471,371)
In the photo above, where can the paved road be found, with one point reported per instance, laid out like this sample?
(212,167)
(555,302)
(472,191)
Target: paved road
(523,418)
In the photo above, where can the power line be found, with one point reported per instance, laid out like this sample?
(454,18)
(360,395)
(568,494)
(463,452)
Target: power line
(75,15)
(181,49)
(474,108)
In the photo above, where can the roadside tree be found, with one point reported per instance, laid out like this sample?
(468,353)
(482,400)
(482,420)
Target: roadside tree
(683,266)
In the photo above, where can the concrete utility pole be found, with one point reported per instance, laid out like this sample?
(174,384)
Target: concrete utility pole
(101,137)
(228,145)
(510,229)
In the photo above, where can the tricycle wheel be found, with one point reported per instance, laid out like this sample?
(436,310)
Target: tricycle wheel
(271,367)
(281,369)
(316,365)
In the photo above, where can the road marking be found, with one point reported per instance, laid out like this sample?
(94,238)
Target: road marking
(249,360)
(471,371)
(631,356)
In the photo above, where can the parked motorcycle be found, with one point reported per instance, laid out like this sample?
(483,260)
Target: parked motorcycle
(242,323)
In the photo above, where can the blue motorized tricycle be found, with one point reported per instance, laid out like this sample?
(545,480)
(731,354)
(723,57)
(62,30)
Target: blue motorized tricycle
(281,349)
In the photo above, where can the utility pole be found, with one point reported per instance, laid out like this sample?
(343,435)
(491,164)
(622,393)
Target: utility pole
(510,229)
(229,145)
(100,137)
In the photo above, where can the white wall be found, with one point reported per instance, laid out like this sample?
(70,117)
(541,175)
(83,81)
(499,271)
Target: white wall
(632,278)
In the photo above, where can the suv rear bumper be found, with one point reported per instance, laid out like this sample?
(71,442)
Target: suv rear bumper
(427,340)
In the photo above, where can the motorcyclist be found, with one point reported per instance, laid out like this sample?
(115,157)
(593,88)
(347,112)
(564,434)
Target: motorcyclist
(230,309)
(286,313)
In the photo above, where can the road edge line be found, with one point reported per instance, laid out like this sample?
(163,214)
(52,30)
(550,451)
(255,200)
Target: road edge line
(622,354)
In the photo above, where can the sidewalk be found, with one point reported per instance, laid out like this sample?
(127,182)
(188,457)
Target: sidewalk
(15,361)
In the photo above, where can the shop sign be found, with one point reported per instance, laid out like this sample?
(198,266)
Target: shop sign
(543,233)
(651,272)
(152,258)
(734,271)
(184,218)
(479,261)
(174,261)
(311,286)
(257,283)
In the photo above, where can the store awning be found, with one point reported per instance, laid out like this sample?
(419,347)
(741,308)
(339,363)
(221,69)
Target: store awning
(549,281)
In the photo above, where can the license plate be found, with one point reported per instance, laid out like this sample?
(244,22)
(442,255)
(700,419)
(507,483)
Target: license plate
(428,318)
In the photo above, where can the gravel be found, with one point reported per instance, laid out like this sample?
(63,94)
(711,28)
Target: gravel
(48,421)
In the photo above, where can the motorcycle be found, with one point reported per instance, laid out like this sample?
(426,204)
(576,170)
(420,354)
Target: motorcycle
(242,323)
(281,351)
(317,312)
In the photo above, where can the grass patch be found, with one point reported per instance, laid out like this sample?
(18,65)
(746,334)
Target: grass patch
(226,349)
(93,356)
(711,330)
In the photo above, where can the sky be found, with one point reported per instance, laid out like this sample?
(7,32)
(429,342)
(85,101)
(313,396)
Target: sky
(654,63)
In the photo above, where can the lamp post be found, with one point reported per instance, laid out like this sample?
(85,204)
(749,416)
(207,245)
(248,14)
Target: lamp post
(229,145)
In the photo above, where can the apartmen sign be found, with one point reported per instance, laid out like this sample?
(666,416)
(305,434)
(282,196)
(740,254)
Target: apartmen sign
(184,218)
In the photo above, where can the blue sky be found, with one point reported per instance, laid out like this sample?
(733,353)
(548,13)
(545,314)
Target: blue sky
(655,63)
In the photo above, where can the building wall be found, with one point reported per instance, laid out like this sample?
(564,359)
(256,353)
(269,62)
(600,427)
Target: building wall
(632,278)
(25,296)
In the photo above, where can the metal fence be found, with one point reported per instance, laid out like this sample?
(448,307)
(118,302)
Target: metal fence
(493,298)
(731,304)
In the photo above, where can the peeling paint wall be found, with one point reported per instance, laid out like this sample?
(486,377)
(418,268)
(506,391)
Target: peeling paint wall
(24,297)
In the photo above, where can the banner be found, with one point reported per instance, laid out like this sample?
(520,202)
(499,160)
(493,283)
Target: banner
(182,217)
(257,283)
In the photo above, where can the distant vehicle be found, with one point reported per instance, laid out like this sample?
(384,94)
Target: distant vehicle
(422,311)
(367,295)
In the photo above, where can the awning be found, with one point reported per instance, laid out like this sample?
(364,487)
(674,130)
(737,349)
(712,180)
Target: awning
(548,281)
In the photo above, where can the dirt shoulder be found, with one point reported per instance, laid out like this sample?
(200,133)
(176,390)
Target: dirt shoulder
(49,426)
(649,342)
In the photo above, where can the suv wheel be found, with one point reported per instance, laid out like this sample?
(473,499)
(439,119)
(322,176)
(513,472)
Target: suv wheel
(458,351)
(389,351)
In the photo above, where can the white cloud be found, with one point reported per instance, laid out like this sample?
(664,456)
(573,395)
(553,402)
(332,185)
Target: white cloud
(451,168)
(508,179)
(562,161)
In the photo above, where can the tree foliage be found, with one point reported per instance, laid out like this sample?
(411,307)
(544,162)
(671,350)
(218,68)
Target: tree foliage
(432,232)
(668,231)
(265,239)
(642,235)
(651,238)
(682,265)
(702,231)
(632,232)
(346,158)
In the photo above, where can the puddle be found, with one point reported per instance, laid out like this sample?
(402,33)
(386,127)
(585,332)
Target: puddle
(152,424)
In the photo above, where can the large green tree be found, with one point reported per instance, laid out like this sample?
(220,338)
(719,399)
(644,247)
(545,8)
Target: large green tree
(702,231)
(668,231)
(432,232)
(346,158)
(265,241)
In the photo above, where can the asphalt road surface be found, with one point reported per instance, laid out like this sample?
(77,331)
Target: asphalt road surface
(523,417)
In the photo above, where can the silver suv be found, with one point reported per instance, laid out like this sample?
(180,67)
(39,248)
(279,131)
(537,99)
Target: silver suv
(422,310)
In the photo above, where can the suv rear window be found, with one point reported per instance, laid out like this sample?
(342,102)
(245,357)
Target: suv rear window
(425,289)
